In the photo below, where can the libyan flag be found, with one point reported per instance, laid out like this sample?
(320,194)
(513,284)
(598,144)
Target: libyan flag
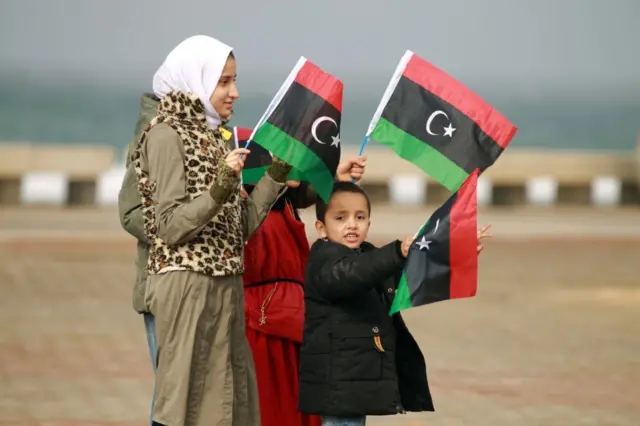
(256,163)
(438,124)
(302,125)
(443,260)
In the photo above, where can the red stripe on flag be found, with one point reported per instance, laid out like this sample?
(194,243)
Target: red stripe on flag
(243,134)
(322,84)
(463,253)
(460,96)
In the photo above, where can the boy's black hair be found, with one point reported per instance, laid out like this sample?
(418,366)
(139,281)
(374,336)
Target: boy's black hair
(338,187)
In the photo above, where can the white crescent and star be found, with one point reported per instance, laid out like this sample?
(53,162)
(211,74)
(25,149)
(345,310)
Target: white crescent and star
(448,131)
(335,140)
(424,243)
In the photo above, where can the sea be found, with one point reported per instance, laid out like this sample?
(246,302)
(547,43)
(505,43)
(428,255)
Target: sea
(91,114)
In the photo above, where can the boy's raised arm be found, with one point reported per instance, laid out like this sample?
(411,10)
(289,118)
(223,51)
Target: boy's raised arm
(353,273)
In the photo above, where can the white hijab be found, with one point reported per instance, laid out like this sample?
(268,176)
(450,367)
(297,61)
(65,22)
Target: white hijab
(194,66)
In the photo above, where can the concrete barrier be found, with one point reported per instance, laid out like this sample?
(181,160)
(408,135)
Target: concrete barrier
(85,175)
(52,174)
(520,176)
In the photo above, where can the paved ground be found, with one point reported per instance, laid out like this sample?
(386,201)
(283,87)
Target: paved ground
(551,338)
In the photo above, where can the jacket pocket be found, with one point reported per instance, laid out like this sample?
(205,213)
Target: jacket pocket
(357,352)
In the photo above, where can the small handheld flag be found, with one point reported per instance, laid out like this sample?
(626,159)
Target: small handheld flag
(302,125)
(438,124)
(443,260)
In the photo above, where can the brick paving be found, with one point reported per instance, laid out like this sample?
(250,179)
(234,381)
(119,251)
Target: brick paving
(551,338)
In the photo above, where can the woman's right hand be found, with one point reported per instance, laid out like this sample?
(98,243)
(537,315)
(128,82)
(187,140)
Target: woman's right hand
(235,161)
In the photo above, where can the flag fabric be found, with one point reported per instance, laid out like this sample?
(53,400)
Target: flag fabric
(442,263)
(256,163)
(438,124)
(302,125)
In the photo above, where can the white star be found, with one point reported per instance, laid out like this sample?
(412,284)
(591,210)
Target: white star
(335,140)
(448,131)
(423,243)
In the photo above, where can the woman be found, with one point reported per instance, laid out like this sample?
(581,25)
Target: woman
(196,224)
(275,260)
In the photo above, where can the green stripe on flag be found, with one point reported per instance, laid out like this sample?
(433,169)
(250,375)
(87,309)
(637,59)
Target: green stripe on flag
(402,300)
(420,153)
(252,176)
(296,174)
(299,156)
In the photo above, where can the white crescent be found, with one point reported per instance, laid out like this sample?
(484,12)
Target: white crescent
(431,117)
(314,127)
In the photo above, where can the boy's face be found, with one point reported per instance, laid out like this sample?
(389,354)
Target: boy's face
(346,220)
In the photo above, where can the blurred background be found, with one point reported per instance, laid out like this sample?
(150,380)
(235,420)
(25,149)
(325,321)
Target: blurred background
(551,337)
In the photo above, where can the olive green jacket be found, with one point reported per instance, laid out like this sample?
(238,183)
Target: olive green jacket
(129,202)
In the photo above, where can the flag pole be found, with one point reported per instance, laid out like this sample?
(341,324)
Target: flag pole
(235,131)
(245,147)
(364,142)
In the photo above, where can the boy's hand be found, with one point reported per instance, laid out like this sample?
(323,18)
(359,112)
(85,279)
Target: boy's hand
(406,245)
(351,168)
(482,234)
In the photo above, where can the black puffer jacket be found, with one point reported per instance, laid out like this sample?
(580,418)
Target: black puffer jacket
(355,358)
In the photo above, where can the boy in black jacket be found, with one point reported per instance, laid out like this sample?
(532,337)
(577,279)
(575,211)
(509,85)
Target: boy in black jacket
(356,360)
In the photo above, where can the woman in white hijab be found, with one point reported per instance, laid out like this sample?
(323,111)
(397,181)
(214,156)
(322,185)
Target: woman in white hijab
(196,224)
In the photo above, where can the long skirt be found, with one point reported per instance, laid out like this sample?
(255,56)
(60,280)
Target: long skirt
(277,361)
(274,335)
(205,371)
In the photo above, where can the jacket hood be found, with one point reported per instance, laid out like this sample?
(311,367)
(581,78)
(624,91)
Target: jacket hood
(148,106)
(148,109)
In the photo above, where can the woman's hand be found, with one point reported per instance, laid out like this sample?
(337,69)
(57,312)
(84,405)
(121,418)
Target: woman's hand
(235,161)
(482,234)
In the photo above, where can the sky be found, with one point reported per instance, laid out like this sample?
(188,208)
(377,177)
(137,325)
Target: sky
(524,48)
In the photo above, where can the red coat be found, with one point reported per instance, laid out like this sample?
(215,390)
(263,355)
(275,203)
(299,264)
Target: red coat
(277,252)
(275,260)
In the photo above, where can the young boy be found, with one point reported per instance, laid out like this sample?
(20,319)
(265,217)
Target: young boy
(356,360)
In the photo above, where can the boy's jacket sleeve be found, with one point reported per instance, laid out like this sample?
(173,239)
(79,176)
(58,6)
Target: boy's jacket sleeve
(342,273)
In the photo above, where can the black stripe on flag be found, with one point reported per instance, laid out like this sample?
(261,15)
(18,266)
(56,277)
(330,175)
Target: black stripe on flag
(410,107)
(429,274)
